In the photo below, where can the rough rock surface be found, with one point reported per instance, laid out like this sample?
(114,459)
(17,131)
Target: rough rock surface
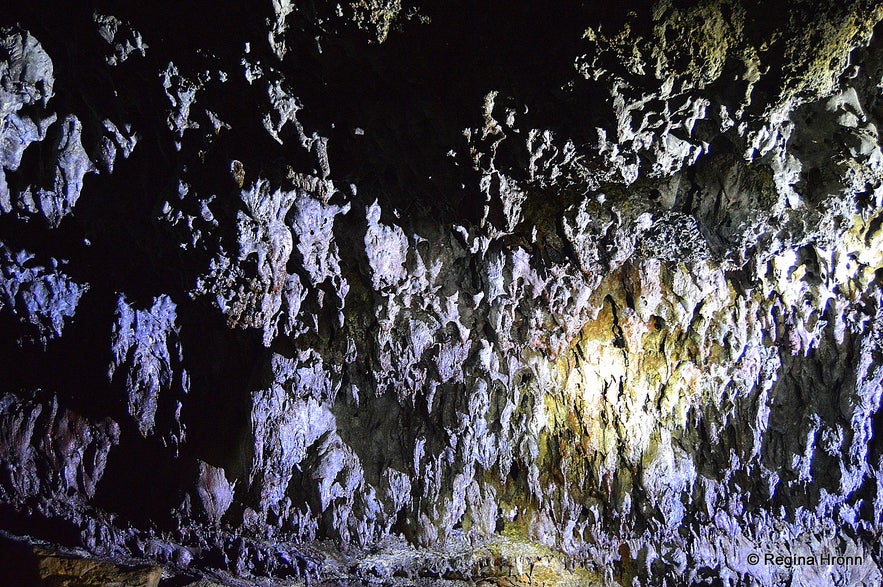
(27,564)
(381,292)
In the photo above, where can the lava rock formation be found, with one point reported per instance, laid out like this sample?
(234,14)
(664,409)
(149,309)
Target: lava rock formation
(408,293)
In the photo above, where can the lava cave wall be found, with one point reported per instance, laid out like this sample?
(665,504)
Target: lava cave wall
(396,292)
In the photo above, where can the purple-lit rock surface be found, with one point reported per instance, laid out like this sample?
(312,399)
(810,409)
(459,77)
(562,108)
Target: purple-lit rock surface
(386,293)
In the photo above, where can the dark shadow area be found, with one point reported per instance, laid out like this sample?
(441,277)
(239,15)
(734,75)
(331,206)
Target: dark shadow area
(73,366)
(18,564)
(57,530)
(413,95)
(143,483)
(217,411)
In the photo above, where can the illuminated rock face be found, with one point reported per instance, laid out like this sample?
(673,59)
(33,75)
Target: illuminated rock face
(384,292)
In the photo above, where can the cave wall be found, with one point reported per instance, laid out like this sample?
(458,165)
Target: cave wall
(390,292)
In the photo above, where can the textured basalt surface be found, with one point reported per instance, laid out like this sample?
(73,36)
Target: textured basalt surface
(392,293)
